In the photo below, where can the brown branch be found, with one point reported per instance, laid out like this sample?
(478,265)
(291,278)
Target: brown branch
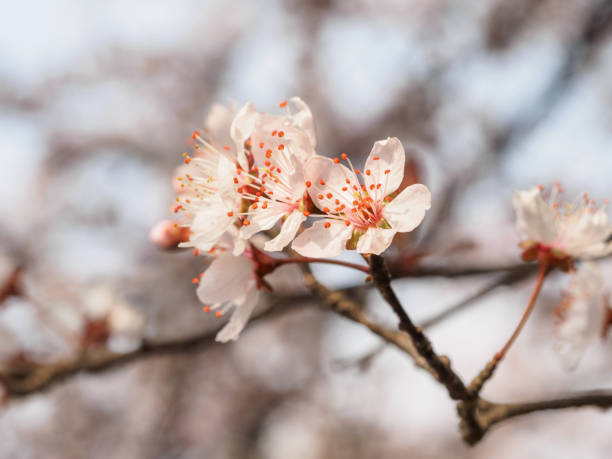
(441,365)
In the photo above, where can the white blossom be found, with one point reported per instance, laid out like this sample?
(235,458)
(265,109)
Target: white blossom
(366,211)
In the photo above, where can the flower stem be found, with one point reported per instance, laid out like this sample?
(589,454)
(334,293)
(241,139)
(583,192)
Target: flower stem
(544,270)
(346,264)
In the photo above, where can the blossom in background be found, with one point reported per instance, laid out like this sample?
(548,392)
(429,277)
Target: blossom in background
(368,214)
(580,314)
(578,230)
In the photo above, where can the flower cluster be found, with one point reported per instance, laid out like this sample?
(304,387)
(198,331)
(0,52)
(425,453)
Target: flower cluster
(251,171)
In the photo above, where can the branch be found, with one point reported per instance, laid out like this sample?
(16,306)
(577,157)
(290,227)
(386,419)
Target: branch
(440,365)
(494,413)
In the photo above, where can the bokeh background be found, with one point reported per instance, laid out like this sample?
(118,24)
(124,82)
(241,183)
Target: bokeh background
(97,103)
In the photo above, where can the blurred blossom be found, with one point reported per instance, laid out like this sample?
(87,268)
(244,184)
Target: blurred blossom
(580,314)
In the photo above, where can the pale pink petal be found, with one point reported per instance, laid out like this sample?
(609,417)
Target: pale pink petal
(208,225)
(262,219)
(241,315)
(386,155)
(407,210)
(328,182)
(303,119)
(319,241)
(288,231)
(375,240)
(535,218)
(582,314)
(227,278)
(241,129)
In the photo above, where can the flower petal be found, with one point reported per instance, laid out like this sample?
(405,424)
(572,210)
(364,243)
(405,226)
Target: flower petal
(241,129)
(535,219)
(407,210)
(208,225)
(288,231)
(328,182)
(226,279)
(262,219)
(302,118)
(241,315)
(375,240)
(319,241)
(386,155)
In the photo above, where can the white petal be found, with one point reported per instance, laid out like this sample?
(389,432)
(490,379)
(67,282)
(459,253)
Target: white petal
(262,219)
(303,119)
(535,219)
(407,210)
(239,246)
(288,231)
(240,317)
(391,157)
(375,240)
(582,315)
(318,241)
(208,225)
(242,127)
(227,278)
(328,179)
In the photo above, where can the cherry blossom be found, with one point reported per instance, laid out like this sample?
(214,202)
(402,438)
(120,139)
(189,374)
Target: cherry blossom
(279,144)
(365,215)
(577,230)
(580,314)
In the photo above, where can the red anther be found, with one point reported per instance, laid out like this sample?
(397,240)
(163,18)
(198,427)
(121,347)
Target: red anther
(347,223)
(337,202)
(348,182)
(206,309)
(281,133)
(355,202)
(378,186)
(187,160)
(283,104)
(254,206)
(239,190)
(357,171)
(376,158)
(328,195)
(177,208)
(327,224)
(322,182)
(236,180)
(336,160)
(281,147)
(344,188)
(196,252)
(268,153)
(306,213)
(320,196)
(195,134)
(308,184)
(343,156)
(388,199)
(387,171)
(326,210)
(249,143)
(267,163)
(274,132)
(226,147)
(246,222)
(217,314)
(372,187)
(264,205)
(368,171)
(195,280)
(279,171)
(261,144)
